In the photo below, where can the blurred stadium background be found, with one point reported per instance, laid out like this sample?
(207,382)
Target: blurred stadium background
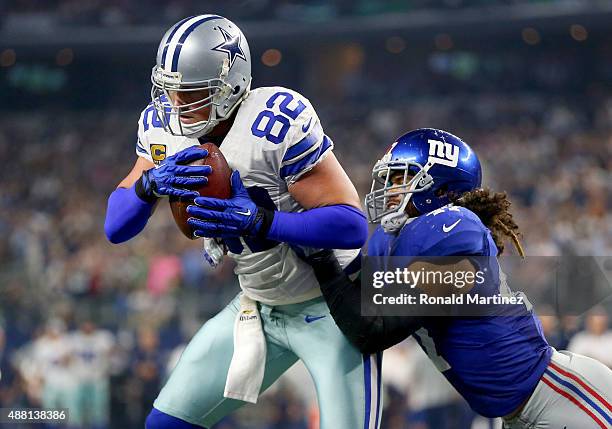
(96,327)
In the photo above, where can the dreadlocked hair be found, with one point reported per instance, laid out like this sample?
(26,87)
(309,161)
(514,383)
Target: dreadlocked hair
(492,209)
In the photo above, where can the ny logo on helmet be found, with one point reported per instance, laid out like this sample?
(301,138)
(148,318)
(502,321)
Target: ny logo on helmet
(443,153)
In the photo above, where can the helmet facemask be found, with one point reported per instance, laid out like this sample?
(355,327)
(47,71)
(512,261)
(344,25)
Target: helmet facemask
(169,114)
(415,179)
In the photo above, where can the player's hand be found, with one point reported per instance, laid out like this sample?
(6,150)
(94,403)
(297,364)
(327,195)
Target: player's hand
(234,217)
(172,175)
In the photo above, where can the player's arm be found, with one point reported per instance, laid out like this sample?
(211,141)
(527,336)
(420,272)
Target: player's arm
(370,334)
(132,203)
(332,220)
(458,267)
(139,167)
(126,213)
(303,158)
(375,333)
(326,184)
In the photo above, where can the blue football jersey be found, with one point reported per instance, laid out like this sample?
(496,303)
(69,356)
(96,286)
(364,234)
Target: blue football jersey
(494,361)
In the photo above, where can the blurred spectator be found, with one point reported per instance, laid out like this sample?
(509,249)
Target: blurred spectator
(553,331)
(92,348)
(434,405)
(596,340)
(29,13)
(53,358)
(432,402)
(147,369)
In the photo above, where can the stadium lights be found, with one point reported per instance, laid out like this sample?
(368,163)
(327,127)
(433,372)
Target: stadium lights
(64,57)
(353,56)
(578,32)
(531,36)
(8,57)
(395,44)
(443,42)
(271,57)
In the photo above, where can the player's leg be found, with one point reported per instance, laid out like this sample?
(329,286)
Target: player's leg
(348,384)
(82,410)
(68,398)
(575,392)
(99,404)
(194,391)
(160,420)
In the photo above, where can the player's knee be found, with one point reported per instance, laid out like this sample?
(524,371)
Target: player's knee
(160,420)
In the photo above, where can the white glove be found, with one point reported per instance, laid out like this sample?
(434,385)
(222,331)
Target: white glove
(213,252)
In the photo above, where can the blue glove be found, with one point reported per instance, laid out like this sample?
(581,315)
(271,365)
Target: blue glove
(170,177)
(237,216)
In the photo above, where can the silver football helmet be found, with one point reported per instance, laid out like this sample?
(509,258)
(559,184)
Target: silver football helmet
(205,52)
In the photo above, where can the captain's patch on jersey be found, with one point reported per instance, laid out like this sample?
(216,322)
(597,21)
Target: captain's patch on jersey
(158,152)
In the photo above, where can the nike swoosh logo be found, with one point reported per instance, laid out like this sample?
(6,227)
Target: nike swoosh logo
(310,319)
(307,125)
(247,213)
(449,228)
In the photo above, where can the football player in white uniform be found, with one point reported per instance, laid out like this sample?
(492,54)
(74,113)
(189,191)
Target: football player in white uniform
(290,196)
(53,357)
(91,349)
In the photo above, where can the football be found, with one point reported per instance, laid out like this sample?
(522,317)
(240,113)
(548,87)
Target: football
(218,186)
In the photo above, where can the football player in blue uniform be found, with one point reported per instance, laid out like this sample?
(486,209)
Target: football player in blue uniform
(427,196)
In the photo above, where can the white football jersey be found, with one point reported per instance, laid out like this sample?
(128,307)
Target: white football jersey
(276,138)
(92,354)
(54,359)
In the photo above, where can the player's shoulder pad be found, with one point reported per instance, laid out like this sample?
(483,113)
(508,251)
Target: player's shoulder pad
(287,119)
(288,106)
(450,230)
(153,141)
(270,95)
(378,242)
(452,214)
(148,121)
(144,125)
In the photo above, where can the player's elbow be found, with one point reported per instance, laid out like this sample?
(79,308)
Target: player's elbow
(126,215)
(113,239)
(355,229)
(120,230)
(115,229)
(113,234)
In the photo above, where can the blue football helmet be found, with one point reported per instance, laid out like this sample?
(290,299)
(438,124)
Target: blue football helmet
(434,163)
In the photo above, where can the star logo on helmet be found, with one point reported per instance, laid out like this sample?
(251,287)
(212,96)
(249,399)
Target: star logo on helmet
(230,46)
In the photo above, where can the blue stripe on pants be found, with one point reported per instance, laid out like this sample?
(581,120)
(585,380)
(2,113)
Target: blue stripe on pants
(378,385)
(581,394)
(368,390)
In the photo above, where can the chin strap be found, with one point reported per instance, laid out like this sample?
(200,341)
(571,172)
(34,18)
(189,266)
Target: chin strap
(393,222)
